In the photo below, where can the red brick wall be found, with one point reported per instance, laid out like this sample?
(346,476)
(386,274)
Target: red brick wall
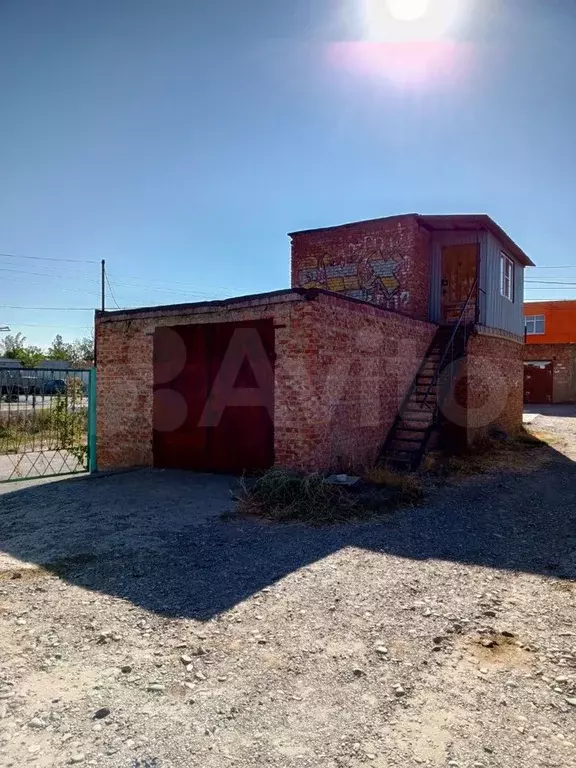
(125,374)
(495,384)
(346,368)
(563,356)
(342,369)
(385,262)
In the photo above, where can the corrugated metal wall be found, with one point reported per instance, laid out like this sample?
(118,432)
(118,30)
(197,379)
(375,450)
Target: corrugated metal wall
(502,313)
(496,311)
(438,241)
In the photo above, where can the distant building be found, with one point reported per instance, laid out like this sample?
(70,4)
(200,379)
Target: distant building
(550,352)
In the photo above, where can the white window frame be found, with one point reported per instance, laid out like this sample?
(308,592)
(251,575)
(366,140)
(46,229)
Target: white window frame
(506,276)
(532,321)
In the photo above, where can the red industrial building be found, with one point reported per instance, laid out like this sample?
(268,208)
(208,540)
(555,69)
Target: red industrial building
(550,352)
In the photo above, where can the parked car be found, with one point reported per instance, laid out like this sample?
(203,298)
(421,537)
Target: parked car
(53,387)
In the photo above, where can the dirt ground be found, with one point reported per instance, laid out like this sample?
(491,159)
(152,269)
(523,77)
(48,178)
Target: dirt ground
(144,625)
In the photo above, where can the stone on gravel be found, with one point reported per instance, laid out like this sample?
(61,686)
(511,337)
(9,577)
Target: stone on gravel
(381,649)
(37,722)
(156,687)
(78,758)
(571,701)
(100,714)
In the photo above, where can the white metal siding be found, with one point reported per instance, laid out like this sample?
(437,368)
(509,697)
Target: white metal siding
(501,313)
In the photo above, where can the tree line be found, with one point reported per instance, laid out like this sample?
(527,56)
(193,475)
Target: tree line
(15,347)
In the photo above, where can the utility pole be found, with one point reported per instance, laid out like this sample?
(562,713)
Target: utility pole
(103,285)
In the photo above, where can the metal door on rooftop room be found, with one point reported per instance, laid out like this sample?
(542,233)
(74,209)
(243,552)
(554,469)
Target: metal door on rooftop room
(214,396)
(459,270)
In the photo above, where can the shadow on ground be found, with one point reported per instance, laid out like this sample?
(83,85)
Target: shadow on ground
(158,538)
(564,410)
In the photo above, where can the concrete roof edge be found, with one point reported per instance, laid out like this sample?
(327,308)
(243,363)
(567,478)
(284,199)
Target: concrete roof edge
(350,224)
(118,314)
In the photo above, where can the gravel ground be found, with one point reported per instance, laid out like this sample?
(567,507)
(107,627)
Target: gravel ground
(143,625)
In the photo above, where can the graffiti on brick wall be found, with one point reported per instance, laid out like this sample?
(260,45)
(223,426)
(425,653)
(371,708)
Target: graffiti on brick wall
(374,278)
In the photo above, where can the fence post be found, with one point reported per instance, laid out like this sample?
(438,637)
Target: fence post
(92,458)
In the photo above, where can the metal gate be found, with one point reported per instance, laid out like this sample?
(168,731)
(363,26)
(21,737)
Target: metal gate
(538,382)
(47,422)
(214,396)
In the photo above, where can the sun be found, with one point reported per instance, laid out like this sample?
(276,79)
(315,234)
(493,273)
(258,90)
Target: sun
(408,10)
(408,20)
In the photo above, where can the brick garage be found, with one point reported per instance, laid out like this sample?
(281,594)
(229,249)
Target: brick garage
(563,359)
(341,369)
(340,366)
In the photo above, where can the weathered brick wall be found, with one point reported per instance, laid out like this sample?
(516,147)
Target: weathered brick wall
(563,356)
(341,371)
(126,374)
(346,368)
(385,262)
(495,384)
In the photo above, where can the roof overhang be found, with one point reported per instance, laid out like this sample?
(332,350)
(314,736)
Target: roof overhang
(439,223)
(466,221)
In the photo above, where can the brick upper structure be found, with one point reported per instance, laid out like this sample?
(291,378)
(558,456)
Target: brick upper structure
(384,261)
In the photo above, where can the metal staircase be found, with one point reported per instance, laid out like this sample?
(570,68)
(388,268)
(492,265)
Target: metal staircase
(415,428)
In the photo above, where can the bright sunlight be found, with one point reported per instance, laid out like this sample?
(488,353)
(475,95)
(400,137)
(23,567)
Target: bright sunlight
(400,20)
(408,10)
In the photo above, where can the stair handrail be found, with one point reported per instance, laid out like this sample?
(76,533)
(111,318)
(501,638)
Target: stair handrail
(450,343)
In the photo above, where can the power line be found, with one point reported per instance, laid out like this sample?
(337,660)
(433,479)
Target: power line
(48,258)
(55,287)
(43,325)
(111,292)
(47,274)
(551,282)
(50,309)
(168,282)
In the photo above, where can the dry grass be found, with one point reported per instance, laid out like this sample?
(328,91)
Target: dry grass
(519,452)
(409,486)
(284,496)
(43,429)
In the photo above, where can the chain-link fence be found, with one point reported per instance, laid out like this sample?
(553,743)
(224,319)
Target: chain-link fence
(45,422)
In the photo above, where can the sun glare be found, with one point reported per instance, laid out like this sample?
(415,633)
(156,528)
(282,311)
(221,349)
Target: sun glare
(410,43)
(402,20)
(408,10)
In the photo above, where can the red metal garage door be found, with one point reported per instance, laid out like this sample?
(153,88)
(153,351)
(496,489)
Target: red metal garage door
(214,396)
(538,382)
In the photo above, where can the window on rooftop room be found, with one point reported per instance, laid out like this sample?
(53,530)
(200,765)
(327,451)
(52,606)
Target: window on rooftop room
(535,324)
(506,277)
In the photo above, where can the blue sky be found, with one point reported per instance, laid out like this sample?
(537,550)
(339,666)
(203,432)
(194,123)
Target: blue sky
(181,140)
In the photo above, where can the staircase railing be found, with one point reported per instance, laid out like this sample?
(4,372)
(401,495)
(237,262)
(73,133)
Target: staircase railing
(450,345)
